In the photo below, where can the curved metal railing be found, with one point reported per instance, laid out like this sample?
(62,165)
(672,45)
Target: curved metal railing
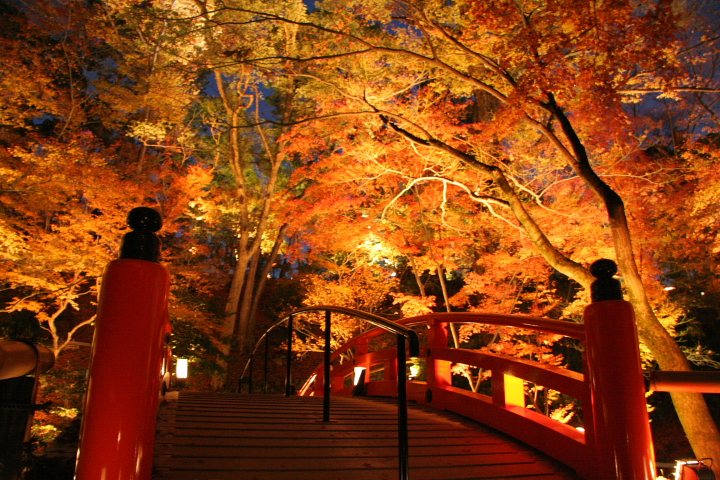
(407,340)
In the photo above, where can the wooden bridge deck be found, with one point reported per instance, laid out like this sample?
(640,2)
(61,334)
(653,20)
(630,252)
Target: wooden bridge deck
(208,436)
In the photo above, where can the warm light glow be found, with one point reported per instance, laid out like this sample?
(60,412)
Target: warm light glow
(358,372)
(667,289)
(181,370)
(580,429)
(414,370)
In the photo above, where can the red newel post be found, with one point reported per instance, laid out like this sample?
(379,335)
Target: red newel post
(623,442)
(438,372)
(118,427)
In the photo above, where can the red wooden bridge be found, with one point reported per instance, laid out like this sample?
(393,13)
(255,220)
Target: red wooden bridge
(213,437)
(326,432)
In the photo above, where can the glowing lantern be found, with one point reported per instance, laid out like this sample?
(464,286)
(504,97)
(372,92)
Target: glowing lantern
(181,369)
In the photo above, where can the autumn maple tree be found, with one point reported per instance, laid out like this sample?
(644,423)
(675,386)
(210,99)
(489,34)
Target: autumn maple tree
(68,175)
(543,86)
(507,144)
(53,239)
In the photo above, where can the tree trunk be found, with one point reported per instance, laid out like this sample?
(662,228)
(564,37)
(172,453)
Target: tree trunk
(246,323)
(267,268)
(699,426)
(229,326)
(692,410)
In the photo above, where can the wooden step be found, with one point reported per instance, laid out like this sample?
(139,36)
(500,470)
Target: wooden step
(206,436)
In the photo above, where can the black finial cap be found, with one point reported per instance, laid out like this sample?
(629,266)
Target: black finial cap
(144,217)
(605,287)
(142,243)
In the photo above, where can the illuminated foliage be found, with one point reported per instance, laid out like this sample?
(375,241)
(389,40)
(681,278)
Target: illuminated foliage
(522,103)
(502,145)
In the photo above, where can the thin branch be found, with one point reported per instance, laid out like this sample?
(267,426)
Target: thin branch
(642,91)
(72,332)
(369,47)
(486,200)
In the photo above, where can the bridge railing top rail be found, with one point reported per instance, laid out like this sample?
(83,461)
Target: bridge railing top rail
(528,322)
(539,324)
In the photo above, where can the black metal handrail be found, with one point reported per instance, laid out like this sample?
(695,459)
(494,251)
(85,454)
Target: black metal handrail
(407,339)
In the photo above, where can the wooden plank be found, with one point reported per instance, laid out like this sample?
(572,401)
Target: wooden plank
(312,462)
(331,451)
(452,473)
(219,437)
(312,418)
(368,434)
(303,425)
(350,442)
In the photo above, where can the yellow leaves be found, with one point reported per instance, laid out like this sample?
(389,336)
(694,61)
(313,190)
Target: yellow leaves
(413,305)
(576,308)
(564,413)
(12,244)
(704,161)
(670,315)
(149,131)
(363,288)
(26,304)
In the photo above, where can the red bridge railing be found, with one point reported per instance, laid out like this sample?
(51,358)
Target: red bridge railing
(616,441)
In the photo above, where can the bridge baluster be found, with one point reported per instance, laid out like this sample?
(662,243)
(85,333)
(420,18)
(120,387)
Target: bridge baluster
(118,428)
(403,442)
(267,357)
(438,372)
(252,371)
(288,372)
(326,368)
(622,437)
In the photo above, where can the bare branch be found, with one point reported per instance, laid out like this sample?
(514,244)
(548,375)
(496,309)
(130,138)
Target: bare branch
(643,91)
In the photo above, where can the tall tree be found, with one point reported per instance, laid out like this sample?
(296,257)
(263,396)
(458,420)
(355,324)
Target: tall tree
(251,150)
(66,184)
(558,74)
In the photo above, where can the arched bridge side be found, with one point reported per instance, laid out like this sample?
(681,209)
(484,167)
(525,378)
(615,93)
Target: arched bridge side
(503,409)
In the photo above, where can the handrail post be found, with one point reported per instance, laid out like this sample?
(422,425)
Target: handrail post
(288,377)
(118,426)
(250,378)
(623,443)
(403,448)
(267,355)
(439,372)
(326,368)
